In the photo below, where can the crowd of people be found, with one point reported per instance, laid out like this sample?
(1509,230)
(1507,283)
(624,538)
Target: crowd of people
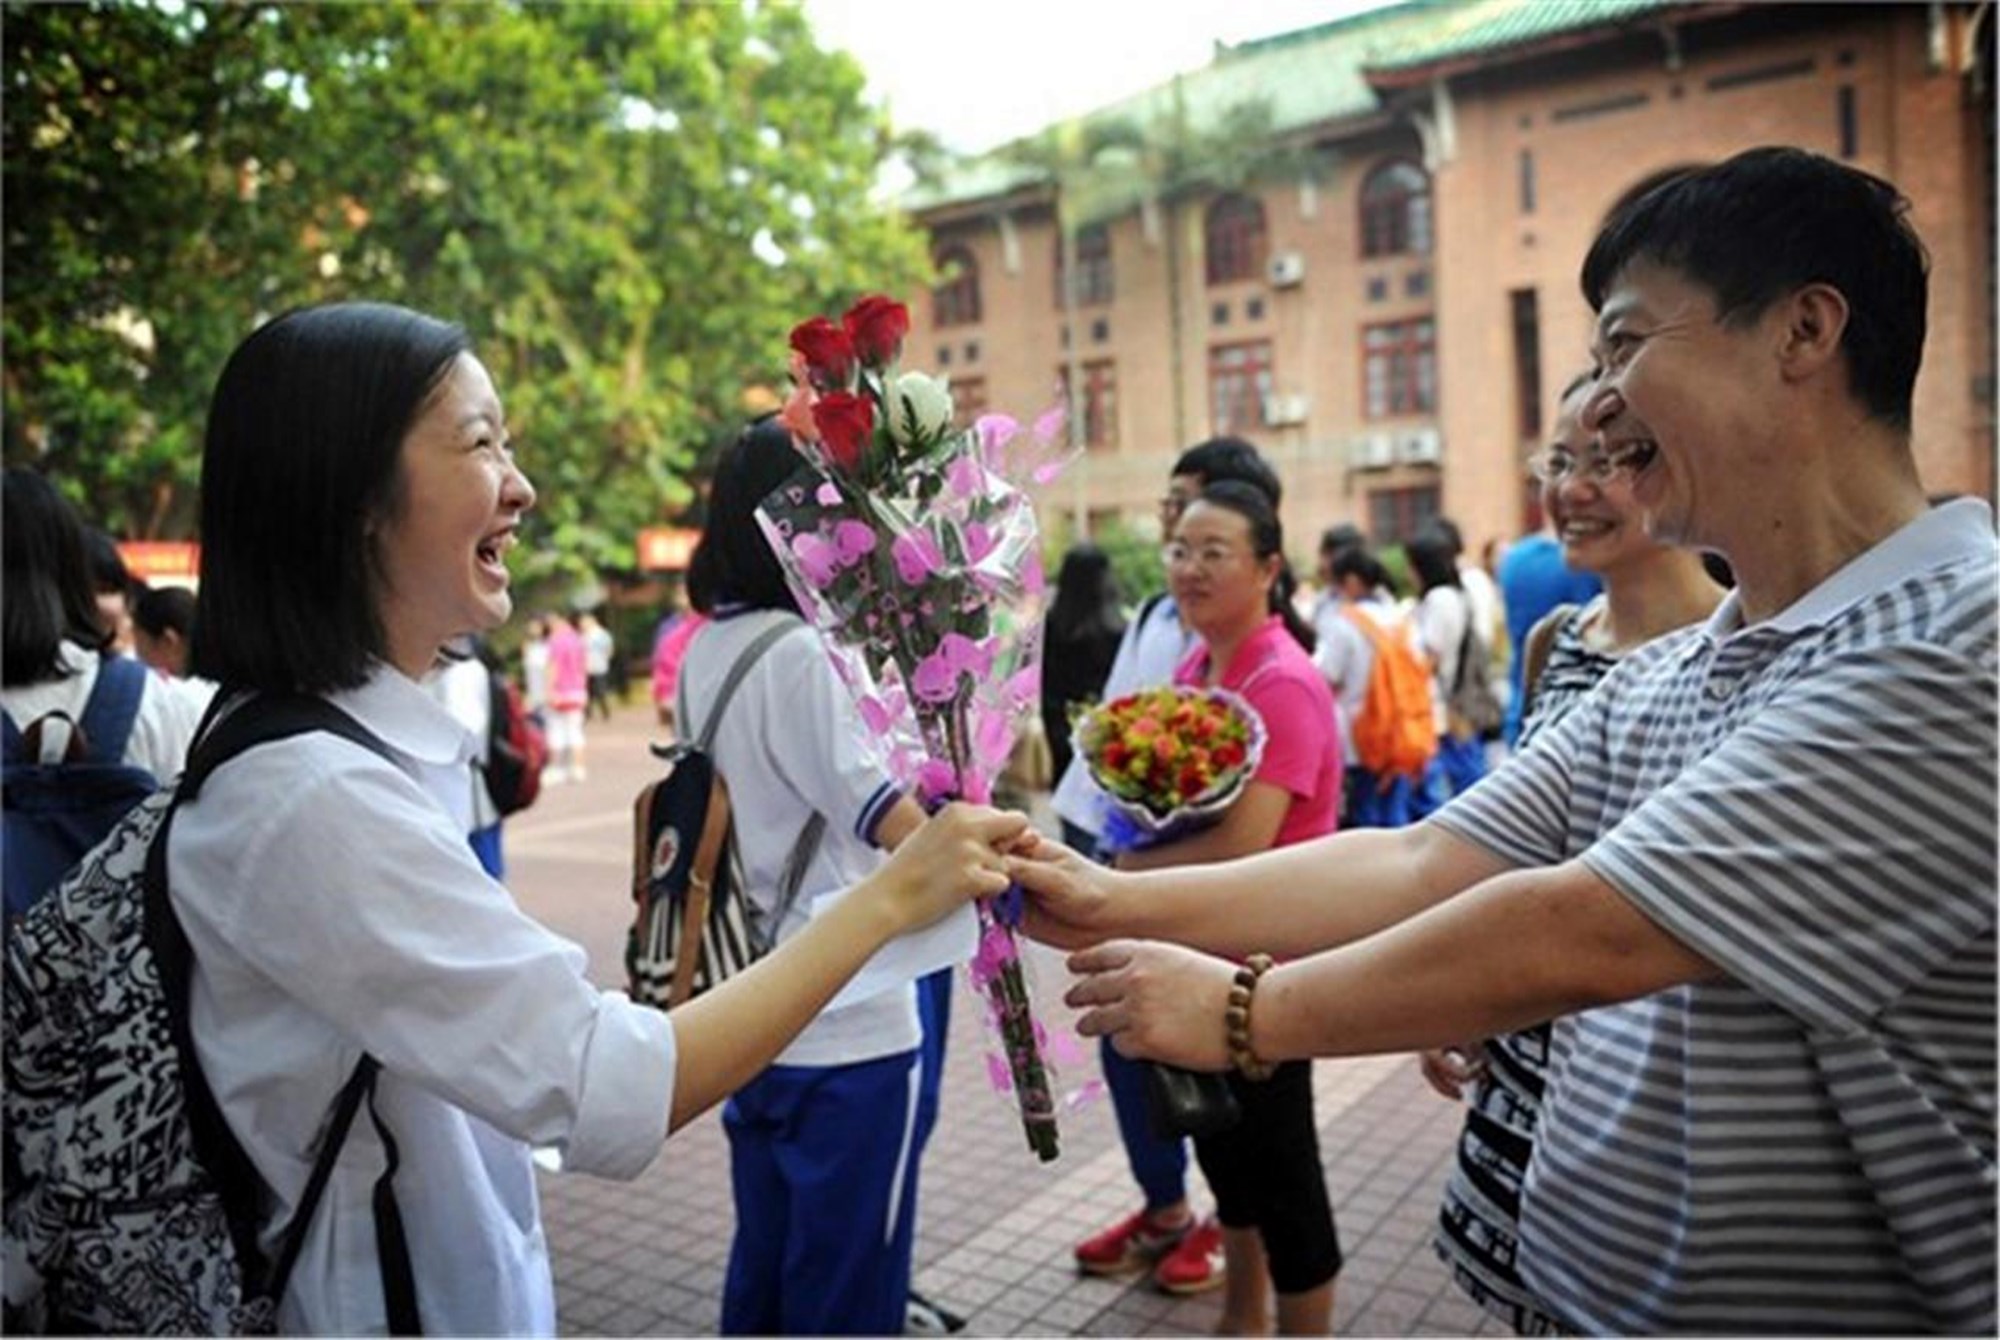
(1666,845)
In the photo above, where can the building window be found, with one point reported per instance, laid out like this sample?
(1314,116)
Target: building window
(1396,210)
(1399,368)
(968,399)
(1526,307)
(1850,129)
(1098,412)
(1239,382)
(955,300)
(1234,240)
(1093,266)
(1396,515)
(1527,181)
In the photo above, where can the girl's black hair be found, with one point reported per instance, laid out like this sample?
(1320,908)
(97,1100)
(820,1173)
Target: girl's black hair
(47,596)
(165,607)
(1357,560)
(733,564)
(1087,597)
(1433,558)
(302,459)
(1267,537)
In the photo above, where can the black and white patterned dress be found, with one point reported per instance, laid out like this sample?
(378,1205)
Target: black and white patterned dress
(1482,1201)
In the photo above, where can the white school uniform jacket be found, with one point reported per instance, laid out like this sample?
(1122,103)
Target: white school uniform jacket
(334,907)
(791,742)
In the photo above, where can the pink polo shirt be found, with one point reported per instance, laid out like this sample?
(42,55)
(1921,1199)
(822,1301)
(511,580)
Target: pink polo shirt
(1301,745)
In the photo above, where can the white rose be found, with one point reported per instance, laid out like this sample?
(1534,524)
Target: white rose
(919,409)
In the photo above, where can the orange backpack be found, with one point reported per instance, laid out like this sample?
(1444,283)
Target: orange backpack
(1395,733)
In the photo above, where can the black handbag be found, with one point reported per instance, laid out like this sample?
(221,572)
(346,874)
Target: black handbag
(1188,1102)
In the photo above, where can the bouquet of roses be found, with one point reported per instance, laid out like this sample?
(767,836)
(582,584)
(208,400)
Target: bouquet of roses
(1168,759)
(911,546)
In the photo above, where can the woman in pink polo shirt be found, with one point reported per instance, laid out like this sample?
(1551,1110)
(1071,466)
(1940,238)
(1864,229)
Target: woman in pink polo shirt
(1226,567)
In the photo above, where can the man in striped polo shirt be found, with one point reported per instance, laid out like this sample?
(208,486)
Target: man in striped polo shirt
(1753,873)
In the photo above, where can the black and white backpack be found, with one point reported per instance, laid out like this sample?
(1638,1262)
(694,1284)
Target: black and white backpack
(130,1208)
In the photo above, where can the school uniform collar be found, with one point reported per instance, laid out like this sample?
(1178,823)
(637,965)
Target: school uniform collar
(1954,532)
(405,715)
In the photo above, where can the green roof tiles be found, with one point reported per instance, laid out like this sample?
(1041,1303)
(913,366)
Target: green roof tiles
(1488,27)
(1307,77)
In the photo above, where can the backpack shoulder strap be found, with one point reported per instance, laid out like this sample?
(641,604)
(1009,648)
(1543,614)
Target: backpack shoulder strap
(1535,652)
(803,851)
(113,706)
(751,654)
(227,732)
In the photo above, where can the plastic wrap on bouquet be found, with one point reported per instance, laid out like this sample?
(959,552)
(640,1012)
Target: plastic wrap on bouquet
(913,549)
(1168,761)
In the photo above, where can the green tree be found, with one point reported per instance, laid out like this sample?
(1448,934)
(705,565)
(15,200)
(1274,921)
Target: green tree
(627,206)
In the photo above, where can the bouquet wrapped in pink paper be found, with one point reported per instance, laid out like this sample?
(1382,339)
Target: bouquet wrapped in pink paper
(913,549)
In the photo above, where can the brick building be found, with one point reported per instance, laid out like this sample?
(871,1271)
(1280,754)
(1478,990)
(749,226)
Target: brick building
(1358,244)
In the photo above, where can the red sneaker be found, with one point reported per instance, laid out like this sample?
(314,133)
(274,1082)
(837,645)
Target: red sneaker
(1129,1245)
(1195,1263)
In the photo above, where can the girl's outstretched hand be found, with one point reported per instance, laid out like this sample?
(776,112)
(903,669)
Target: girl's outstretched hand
(1154,1000)
(957,854)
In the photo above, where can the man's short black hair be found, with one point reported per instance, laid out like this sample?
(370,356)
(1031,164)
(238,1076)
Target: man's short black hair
(301,461)
(1766,223)
(1226,458)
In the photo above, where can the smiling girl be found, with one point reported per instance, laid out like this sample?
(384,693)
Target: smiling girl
(359,498)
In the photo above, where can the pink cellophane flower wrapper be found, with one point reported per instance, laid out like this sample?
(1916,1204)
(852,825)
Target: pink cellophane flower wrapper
(921,571)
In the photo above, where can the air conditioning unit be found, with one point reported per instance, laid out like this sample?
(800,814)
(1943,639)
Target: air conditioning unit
(1287,269)
(1373,451)
(1421,446)
(1284,410)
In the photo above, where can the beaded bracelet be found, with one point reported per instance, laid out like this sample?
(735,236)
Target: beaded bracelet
(1237,1017)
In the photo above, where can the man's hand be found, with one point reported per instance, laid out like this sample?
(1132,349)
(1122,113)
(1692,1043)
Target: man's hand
(1069,896)
(1154,1000)
(1452,1070)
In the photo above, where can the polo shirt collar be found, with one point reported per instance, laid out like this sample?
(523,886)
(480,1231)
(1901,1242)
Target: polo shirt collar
(407,717)
(1953,532)
(1250,654)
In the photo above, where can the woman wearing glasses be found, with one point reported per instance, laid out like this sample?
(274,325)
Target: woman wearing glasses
(1649,589)
(1226,568)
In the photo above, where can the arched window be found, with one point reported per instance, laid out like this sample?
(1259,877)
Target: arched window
(1233,237)
(1396,210)
(1093,266)
(955,300)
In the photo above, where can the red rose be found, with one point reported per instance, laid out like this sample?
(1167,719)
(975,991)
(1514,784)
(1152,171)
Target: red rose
(846,424)
(1116,755)
(1192,783)
(1229,754)
(828,352)
(875,327)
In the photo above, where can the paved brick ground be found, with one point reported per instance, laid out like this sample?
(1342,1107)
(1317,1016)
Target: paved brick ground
(995,1227)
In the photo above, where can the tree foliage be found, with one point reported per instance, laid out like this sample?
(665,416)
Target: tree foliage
(626,205)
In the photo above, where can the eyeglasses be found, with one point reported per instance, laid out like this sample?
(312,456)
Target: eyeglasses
(1557,464)
(1208,558)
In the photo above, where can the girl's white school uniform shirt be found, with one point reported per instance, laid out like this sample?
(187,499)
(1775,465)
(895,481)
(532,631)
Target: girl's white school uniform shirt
(334,907)
(791,741)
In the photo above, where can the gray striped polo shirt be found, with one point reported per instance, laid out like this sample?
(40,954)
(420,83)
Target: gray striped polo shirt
(1809,803)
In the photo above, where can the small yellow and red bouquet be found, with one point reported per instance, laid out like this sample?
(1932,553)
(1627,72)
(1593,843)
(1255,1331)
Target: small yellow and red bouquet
(1168,759)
